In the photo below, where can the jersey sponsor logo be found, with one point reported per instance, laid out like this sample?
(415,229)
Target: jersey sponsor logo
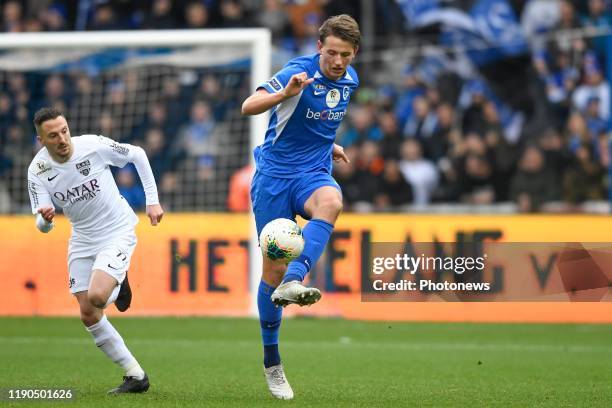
(33,194)
(120,149)
(345,93)
(317,93)
(333,98)
(42,167)
(82,192)
(117,147)
(274,84)
(83,167)
(326,114)
(52,178)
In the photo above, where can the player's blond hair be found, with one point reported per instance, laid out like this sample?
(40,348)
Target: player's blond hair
(342,26)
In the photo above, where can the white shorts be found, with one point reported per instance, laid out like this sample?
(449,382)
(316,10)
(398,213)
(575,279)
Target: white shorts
(113,257)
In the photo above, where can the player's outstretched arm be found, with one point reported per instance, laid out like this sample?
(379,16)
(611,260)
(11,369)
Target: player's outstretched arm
(40,199)
(143,167)
(262,100)
(119,154)
(44,219)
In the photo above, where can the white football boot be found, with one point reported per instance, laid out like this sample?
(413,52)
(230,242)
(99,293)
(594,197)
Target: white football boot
(277,382)
(295,292)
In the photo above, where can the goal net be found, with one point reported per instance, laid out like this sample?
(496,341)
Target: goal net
(175,93)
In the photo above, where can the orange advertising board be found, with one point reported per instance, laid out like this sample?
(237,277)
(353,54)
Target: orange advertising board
(197,264)
(187,265)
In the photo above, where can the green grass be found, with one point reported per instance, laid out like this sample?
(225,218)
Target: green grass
(217,362)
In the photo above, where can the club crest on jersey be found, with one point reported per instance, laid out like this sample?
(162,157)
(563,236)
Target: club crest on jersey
(333,98)
(83,167)
(345,92)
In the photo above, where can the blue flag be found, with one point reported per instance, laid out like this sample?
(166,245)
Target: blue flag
(487,30)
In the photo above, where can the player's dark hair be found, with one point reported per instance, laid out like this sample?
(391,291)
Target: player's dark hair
(45,114)
(342,26)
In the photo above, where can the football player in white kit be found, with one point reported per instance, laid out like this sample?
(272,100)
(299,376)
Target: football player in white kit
(73,174)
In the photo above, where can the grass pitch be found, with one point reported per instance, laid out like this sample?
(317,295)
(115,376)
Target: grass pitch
(198,362)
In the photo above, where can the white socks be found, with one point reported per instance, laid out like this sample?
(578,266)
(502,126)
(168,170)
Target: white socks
(136,371)
(113,296)
(110,342)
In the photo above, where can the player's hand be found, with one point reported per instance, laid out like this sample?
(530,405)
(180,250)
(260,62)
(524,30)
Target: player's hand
(296,84)
(47,213)
(338,154)
(155,213)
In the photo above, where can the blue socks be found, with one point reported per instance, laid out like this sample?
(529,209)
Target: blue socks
(270,320)
(271,356)
(316,234)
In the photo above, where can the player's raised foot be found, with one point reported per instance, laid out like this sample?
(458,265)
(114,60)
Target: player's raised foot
(295,292)
(124,298)
(131,385)
(277,382)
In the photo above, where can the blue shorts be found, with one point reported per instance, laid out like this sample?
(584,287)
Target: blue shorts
(276,197)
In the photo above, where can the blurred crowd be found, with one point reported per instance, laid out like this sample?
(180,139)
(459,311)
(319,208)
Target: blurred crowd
(447,138)
(293,23)
(184,123)
(413,140)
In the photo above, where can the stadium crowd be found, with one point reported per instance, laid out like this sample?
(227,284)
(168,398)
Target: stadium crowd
(433,136)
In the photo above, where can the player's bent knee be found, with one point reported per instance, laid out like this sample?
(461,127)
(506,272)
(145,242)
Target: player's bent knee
(97,299)
(331,208)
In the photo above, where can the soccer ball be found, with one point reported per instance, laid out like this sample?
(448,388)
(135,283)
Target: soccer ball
(281,239)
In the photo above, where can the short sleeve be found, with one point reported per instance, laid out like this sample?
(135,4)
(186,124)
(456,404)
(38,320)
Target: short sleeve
(112,152)
(278,82)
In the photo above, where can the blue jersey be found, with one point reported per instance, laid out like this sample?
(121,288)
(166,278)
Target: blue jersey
(302,129)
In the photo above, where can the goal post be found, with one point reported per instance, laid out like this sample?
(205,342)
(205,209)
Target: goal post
(208,45)
(258,39)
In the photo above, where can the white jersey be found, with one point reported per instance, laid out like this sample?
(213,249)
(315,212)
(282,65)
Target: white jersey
(85,189)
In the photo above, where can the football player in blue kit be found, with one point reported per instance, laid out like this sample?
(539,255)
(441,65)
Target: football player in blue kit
(308,99)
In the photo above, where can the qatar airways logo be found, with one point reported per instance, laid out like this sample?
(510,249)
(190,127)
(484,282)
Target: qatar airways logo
(326,114)
(83,192)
